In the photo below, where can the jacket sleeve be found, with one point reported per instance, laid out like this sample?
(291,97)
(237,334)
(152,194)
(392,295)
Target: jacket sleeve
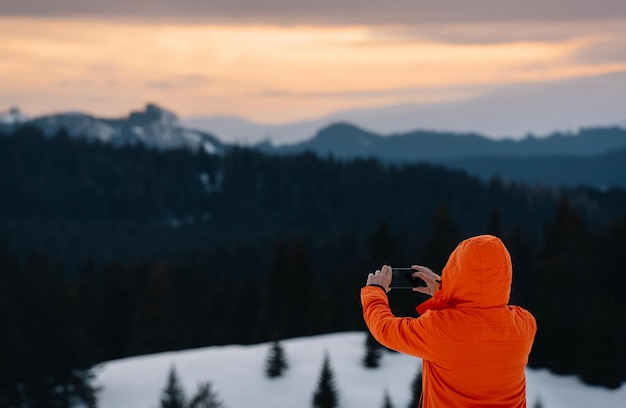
(404,334)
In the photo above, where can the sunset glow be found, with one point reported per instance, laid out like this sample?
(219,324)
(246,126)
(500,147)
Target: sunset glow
(261,72)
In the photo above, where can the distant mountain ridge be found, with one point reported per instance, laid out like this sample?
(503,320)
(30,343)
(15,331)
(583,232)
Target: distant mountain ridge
(153,127)
(348,141)
(160,128)
(507,112)
(591,156)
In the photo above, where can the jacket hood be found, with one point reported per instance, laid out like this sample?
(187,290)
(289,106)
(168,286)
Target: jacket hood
(478,274)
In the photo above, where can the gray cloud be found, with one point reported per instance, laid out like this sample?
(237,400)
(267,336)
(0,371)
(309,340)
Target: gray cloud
(324,11)
(608,51)
(498,32)
(194,80)
(380,93)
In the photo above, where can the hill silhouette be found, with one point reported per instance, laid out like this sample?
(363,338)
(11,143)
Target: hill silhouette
(594,157)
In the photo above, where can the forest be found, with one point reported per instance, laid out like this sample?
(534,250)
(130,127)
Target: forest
(109,252)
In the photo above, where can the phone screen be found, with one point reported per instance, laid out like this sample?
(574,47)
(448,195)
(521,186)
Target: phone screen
(402,279)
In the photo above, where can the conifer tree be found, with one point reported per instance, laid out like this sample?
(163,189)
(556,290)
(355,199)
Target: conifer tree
(443,238)
(276,362)
(246,300)
(565,266)
(382,246)
(303,293)
(205,397)
(612,298)
(494,227)
(523,260)
(157,324)
(387,400)
(11,354)
(326,395)
(372,351)
(416,390)
(383,250)
(293,302)
(274,309)
(173,395)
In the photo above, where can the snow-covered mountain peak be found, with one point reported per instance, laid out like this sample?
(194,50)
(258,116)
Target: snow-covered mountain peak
(153,114)
(13,116)
(153,127)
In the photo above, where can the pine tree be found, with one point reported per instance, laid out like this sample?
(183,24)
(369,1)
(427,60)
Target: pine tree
(566,261)
(246,300)
(443,238)
(293,302)
(205,397)
(613,280)
(416,390)
(382,246)
(115,317)
(173,395)
(494,227)
(387,400)
(12,350)
(372,352)
(303,293)
(276,362)
(157,325)
(274,309)
(326,395)
(523,259)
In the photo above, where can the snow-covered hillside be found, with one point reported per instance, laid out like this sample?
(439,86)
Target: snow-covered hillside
(237,376)
(153,127)
(12,117)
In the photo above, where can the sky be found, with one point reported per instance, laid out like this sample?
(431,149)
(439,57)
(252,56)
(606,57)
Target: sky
(138,381)
(281,61)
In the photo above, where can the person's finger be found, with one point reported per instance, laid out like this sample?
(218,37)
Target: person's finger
(424,269)
(423,272)
(426,277)
(386,271)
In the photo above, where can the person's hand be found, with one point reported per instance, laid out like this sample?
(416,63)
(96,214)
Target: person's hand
(427,275)
(381,277)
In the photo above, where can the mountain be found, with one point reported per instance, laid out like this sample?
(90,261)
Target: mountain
(138,381)
(154,127)
(348,141)
(509,112)
(595,157)
(602,171)
(13,117)
(591,156)
(243,132)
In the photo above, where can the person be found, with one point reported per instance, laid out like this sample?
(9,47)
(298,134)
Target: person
(474,346)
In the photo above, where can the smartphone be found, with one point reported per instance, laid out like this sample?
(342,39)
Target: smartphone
(402,279)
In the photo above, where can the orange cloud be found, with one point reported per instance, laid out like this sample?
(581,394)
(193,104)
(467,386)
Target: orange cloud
(267,73)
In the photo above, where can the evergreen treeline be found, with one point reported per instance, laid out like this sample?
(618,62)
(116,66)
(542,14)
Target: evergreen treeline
(173,395)
(80,200)
(113,252)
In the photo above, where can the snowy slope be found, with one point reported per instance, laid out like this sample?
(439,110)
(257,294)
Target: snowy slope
(153,127)
(237,375)
(13,116)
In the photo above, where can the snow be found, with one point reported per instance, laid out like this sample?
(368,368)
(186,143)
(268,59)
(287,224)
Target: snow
(209,148)
(13,116)
(237,375)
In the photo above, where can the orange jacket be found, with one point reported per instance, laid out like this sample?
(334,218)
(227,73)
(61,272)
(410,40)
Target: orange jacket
(474,346)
